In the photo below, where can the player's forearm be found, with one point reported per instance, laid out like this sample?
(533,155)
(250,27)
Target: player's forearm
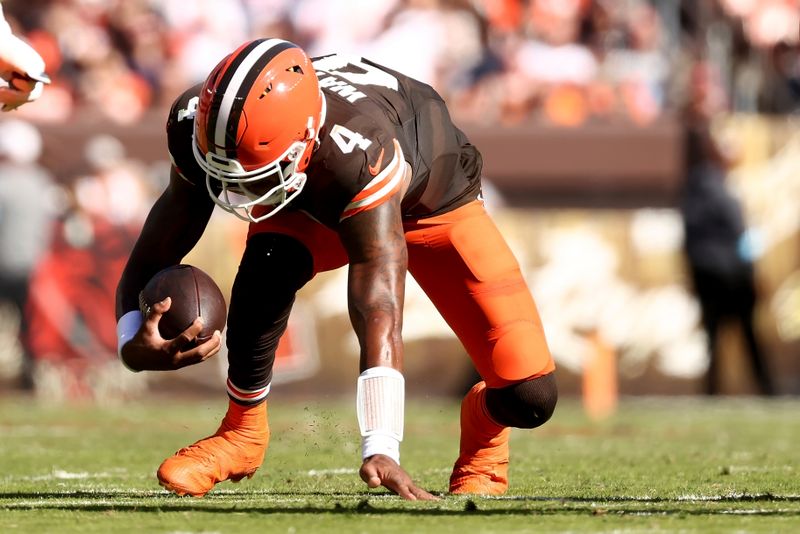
(174,226)
(376,301)
(376,248)
(375,297)
(375,310)
(380,343)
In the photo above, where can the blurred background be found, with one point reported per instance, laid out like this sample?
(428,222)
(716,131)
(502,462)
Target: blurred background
(641,156)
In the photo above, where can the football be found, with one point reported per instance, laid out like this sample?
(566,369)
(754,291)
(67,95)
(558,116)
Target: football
(194,294)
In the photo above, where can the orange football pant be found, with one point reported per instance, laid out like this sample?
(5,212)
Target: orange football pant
(464,265)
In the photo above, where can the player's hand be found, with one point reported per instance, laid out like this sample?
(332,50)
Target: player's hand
(148,351)
(22,68)
(380,470)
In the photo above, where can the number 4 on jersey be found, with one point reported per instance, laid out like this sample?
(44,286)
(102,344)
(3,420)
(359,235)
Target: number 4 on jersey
(347,139)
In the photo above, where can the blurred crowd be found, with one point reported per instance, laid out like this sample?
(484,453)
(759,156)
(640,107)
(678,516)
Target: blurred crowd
(563,61)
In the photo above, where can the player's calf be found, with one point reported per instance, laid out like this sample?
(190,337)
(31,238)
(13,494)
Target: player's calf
(482,464)
(486,418)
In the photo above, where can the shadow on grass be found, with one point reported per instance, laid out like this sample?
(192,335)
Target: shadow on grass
(264,502)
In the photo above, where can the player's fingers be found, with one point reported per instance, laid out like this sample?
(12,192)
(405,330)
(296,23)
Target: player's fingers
(10,92)
(188,335)
(158,309)
(22,83)
(195,328)
(209,348)
(196,354)
(30,77)
(402,490)
(423,495)
(369,475)
(193,356)
(11,98)
(153,316)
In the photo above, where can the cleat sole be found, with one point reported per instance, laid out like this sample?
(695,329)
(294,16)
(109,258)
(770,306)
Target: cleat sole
(180,492)
(477,486)
(236,479)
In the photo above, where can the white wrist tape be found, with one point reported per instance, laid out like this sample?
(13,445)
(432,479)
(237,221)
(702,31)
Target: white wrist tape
(380,403)
(127,326)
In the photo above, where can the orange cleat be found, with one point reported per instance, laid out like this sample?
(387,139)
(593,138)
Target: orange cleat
(482,465)
(234,452)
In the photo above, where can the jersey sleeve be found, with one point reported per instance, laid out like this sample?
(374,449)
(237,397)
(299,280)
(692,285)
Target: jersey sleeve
(180,127)
(385,177)
(366,166)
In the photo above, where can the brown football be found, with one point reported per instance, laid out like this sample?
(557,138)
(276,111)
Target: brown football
(194,294)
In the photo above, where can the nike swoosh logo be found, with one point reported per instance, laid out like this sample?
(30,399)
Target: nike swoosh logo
(374,169)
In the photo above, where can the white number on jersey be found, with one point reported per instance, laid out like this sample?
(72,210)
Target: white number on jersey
(347,140)
(191,109)
(370,76)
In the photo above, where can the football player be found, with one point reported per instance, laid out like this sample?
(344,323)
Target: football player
(21,67)
(338,161)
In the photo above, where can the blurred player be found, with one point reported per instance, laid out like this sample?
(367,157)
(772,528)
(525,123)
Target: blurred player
(718,246)
(339,162)
(21,67)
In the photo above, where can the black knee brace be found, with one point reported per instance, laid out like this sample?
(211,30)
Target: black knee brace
(524,405)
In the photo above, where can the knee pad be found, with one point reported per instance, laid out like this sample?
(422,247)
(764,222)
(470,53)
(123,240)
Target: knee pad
(523,405)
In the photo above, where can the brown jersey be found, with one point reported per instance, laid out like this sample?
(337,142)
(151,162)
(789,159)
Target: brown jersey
(378,122)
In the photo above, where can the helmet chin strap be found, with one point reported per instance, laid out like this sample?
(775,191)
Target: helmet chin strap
(310,131)
(322,114)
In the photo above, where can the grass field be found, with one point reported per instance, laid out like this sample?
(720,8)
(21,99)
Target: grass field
(671,464)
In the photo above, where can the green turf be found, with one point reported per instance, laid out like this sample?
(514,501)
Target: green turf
(689,465)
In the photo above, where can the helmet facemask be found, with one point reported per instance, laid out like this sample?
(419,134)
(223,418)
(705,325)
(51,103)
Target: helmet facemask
(238,195)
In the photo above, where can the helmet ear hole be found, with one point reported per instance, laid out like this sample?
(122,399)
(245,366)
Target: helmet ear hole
(267,90)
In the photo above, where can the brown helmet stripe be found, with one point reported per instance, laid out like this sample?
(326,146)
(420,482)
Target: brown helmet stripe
(238,104)
(219,92)
(228,102)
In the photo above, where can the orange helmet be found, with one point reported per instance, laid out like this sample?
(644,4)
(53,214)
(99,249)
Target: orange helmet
(256,125)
